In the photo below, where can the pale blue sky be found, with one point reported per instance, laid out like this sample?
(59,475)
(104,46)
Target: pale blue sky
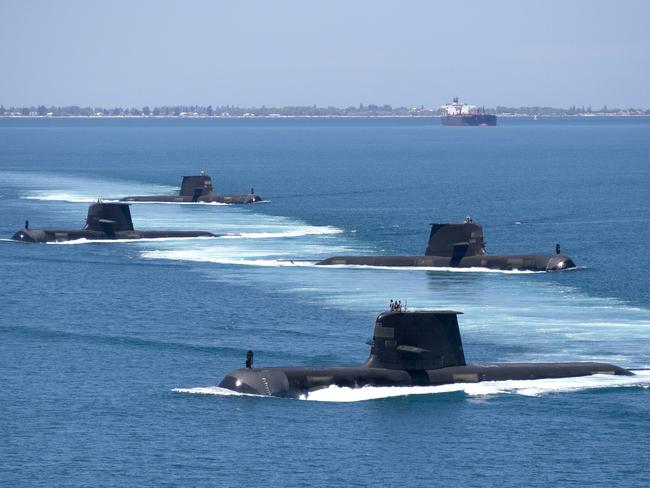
(277,52)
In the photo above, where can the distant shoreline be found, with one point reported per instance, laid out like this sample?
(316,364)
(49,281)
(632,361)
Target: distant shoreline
(303,112)
(396,116)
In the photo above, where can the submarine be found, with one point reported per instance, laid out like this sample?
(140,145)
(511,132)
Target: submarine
(196,189)
(105,221)
(408,348)
(460,245)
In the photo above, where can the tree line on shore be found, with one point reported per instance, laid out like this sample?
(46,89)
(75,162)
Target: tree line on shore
(292,111)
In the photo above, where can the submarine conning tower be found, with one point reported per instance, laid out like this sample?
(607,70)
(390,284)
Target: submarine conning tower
(418,340)
(196,186)
(109,217)
(456,240)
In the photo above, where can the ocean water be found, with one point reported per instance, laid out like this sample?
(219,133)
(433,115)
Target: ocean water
(110,353)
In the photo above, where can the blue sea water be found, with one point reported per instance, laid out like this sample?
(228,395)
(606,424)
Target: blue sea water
(110,352)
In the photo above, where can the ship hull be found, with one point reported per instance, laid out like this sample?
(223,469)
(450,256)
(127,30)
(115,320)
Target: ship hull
(299,381)
(469,120)
(51,235)
(532,262)
(209,198)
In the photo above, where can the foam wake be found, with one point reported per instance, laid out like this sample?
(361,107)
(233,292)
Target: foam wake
(83,240)
(446,269)
(184,255)
(206,258)
(177,203)
(135,202)
(307,230)
(61,197)
(56,188)
(50,188)
(529,388)
(210,390)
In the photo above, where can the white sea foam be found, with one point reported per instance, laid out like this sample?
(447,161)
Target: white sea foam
(197,203)
(83,240)
(105,191)
(446,269)
(83,196)
(44,195)
(529,388)
(210,390)
(307,230)
(178,203)
(188,255)
(559,321)
(61,197)
(74,189)
(198,257)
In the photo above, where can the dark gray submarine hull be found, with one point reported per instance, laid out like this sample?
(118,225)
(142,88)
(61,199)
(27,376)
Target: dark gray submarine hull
(196,189)
(460,246)
(62,235)
(419,348)
(211,198)
(533,262)
(296,382)
(105,221)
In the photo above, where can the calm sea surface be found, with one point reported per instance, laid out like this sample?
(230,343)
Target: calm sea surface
(110,352)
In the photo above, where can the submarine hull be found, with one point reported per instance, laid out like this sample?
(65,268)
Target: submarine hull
(105,221)
(62,235)
(211,198)
(534,262)
(196,189)
(419,348)
(297,382)
(460,246)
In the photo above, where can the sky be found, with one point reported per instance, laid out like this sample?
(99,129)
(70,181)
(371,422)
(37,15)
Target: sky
(336,52)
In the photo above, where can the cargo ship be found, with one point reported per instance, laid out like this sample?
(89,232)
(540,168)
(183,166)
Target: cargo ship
(457,113)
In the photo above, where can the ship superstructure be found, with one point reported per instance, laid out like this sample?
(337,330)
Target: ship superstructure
(458,113)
